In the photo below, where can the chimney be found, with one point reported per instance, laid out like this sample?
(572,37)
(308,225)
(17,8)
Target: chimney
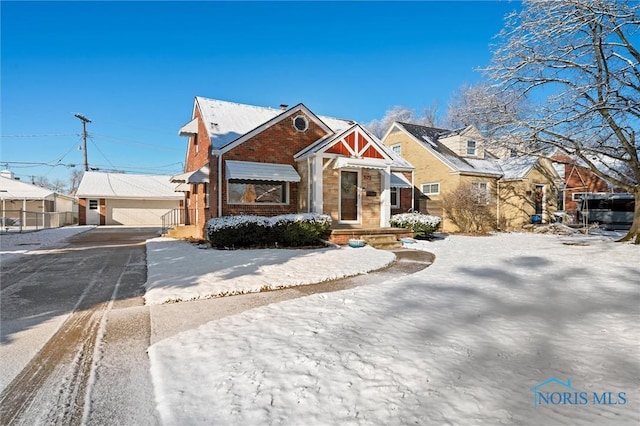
(283,107)
(7,174)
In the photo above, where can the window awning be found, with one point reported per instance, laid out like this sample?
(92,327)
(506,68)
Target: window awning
(399,181)
(250,170)
(189,129)
(197,176)
(182,187)
(363,163)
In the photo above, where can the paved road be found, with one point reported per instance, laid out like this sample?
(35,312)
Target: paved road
(94,369)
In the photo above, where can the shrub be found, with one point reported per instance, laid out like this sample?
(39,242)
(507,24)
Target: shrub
(422,225)
(469,209)
(292,230)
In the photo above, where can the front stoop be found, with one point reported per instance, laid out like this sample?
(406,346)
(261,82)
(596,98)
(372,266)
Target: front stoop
(185,231)
(342,235)
(382,241)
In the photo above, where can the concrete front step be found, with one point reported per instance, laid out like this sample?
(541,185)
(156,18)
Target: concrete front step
(382,241)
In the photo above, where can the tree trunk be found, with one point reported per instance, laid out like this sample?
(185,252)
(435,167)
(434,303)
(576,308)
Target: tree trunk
(633,235)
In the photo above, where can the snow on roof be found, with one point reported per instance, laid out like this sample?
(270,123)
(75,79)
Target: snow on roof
(517,167)
(227,121)
(429,137)
(12,189)
(122,185)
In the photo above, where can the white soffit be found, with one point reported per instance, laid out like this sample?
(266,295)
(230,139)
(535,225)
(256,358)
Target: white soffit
(399,181)
(363,163)
(250,170)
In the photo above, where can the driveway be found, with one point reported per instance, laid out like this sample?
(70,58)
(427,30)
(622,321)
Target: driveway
(74,332)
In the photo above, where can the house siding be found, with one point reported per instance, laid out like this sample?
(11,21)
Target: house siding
(517,203)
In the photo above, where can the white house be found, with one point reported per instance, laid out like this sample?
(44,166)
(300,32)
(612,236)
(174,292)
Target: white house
(125,199)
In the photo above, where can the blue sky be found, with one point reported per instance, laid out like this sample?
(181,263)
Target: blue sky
(134,69)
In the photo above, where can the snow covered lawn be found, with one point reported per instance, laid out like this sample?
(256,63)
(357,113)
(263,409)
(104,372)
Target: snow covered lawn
(179,271)
(461,342)
(15,244)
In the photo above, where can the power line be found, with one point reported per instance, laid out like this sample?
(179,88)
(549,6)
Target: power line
(38,136)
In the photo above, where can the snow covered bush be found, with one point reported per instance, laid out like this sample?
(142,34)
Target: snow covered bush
(422,225)
(291,230)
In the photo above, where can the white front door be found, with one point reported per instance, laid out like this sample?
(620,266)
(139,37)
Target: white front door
(93,212)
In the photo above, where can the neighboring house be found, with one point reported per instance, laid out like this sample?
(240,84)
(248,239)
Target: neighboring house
(445,159)
(578,180)
(125,199)
(244,159)
(29,205)
(529,186)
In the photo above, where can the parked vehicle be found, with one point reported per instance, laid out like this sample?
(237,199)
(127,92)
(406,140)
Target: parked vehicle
(611,211)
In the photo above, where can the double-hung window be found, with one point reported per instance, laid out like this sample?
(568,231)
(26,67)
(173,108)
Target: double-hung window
(471,147)
(481,192)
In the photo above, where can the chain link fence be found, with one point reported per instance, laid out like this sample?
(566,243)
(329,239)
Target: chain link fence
(23,220)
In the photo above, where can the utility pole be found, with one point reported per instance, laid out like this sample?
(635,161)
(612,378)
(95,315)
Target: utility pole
(84,120)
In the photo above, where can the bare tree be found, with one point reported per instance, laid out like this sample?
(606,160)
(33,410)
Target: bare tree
(405,115)
(74,180)
(486,109)
(57,185)
(575,61)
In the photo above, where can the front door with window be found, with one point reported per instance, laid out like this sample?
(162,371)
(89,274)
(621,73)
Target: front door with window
(93,212)
(349,196)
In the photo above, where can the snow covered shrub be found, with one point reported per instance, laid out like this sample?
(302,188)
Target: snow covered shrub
(295,230)
(422,225)
(291,230)
(238,231)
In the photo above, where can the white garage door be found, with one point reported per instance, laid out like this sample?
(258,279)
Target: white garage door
(137,212)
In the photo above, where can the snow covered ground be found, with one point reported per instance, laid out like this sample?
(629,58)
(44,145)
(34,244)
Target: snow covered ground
(14,245)
(179,271)
(464,341)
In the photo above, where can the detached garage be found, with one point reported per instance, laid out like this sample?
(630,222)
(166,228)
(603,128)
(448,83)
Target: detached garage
(125,199)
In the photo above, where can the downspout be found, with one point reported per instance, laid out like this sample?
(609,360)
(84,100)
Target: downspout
(413,193)
(220,185)
(498,204)
(309,209)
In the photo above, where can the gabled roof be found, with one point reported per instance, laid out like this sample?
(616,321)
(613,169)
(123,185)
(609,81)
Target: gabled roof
(520,166)
(429,137)
(226,122)
(329,141)
(121,185)
(12,189)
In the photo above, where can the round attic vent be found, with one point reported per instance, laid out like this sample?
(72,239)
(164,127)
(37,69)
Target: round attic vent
(301,123)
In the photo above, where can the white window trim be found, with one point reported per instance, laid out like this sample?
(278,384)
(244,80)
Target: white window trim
(398,147)
(575,196)
(397,191)
(430,183)
(475,147)
(477,185)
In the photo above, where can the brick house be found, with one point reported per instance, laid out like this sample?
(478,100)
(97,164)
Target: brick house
(244,159)
(578,180)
